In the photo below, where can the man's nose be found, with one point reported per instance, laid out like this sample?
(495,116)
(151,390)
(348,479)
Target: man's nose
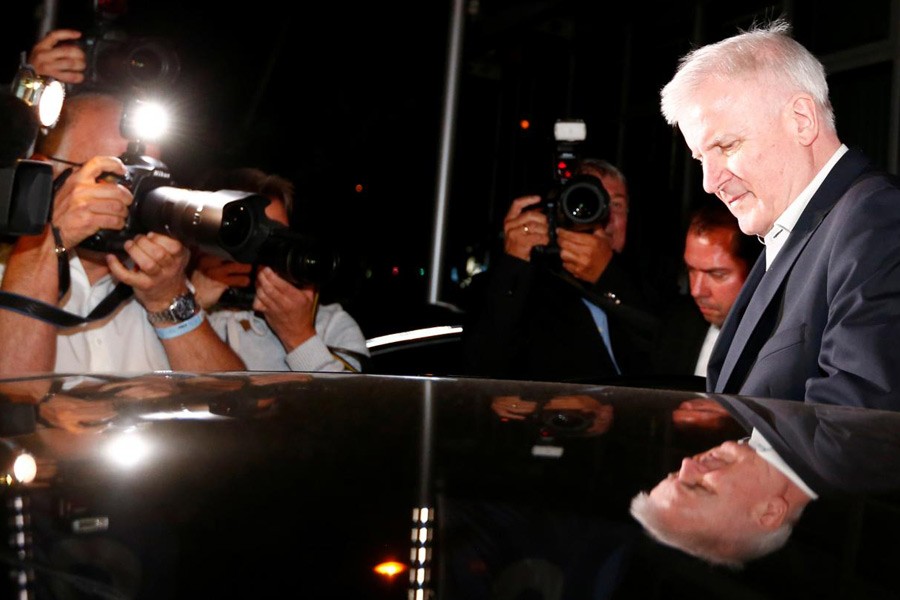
(699,288)
(691,471)
(715,175)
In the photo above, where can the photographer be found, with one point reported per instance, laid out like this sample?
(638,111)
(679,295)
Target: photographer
(83,146)
(283,327)
(531,322)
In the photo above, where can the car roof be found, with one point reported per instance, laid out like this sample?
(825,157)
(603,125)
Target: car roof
(248,483)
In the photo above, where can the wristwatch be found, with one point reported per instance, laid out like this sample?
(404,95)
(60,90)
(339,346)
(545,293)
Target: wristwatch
(183,307)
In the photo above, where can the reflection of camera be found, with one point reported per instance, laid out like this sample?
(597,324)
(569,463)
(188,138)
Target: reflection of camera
(565,421)
(577,201)
(115,59)
(228,223)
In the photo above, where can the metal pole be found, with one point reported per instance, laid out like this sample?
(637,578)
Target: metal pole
(49,10)
(446,151)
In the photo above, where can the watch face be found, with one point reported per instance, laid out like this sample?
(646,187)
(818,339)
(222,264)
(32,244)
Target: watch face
(184,307)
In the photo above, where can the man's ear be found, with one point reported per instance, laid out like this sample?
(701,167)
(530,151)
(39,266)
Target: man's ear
(804,120)
(770,513)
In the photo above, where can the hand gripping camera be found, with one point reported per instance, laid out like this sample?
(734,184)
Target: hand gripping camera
(227,223)
(577,201)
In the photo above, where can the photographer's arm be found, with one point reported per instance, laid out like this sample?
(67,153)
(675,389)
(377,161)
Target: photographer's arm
(28,345)
(292,314)
(81,207)
(493,333)
(158,277)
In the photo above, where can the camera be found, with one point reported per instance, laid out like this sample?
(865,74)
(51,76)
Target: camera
(563,422)
(117,60)
(578,202)
(228,223)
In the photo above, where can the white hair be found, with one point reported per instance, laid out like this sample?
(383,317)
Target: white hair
(715,547)
(767,50)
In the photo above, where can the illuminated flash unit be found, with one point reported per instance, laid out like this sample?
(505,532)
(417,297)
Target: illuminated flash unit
(144,121)
(44,94)
(567,134)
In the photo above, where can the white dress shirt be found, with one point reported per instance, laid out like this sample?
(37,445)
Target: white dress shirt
(786,221)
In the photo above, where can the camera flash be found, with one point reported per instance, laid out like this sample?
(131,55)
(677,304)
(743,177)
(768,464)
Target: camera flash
(569,131)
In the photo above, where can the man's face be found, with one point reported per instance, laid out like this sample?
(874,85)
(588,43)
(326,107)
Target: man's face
(744,136)
(716,275)
(276,210)
(618,212)
(721,490)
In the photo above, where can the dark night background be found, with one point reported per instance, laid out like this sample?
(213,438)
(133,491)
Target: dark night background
(333,96)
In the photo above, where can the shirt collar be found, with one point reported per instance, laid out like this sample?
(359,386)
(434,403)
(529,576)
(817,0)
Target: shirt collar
(766,451)
(786,221)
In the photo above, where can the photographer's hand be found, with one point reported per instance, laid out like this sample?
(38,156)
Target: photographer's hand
(290,311)
(213,274)
(55,57)
(524,229)
(585,255)
(83,205)
(158,275)
(513,407)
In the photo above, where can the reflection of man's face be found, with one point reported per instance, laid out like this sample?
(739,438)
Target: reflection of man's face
(723,489)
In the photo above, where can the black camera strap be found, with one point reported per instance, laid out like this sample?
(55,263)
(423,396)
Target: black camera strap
(639,320)
(61,318)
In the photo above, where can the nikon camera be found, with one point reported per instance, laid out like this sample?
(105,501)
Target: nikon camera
(228,223)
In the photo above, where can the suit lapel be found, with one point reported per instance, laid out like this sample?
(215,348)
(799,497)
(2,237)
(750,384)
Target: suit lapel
(762,286)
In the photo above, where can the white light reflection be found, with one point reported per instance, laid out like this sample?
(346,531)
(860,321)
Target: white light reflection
(416,334)
(128,448)
(202,414)
(25,468)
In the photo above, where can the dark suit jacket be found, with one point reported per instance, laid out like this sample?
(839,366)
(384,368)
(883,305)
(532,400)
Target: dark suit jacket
(832,448)
(680,339)
(823,323)
(526,323)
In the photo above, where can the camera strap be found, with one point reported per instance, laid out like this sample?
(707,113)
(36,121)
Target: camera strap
(640,321)
(61,318)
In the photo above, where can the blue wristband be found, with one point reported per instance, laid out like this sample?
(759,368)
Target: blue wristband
(167,333)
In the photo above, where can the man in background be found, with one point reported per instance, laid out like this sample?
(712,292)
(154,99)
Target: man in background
(531,321)
(274,324)
(717,258)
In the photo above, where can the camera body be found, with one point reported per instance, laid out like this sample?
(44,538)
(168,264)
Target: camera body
(228,223)
(578,202)
(120,61)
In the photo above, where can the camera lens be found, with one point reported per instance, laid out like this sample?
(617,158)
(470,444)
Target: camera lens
(584,202)
(237,224)
(145,66)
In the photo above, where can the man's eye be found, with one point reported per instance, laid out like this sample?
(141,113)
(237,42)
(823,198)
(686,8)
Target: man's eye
(729,149)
